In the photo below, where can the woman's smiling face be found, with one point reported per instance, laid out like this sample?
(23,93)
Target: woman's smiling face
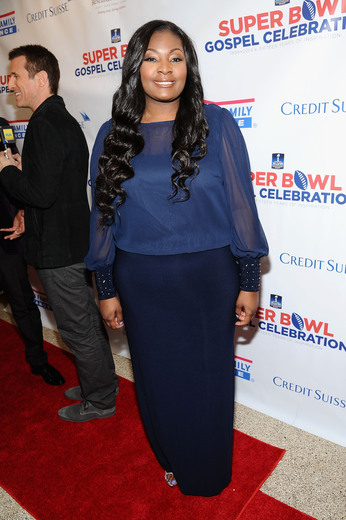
(163,71)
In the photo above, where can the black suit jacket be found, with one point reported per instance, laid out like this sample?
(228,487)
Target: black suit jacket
(52,187)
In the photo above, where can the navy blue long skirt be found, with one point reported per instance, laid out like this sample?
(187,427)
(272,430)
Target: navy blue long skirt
(179,313)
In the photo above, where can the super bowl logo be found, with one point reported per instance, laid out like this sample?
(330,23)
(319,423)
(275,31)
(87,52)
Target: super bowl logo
(116,35)
(297,187)
(276,301)
(278,161)
(298,328)
(105,60)
(254,29)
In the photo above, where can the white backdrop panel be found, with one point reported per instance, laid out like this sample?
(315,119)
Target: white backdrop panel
(276,65)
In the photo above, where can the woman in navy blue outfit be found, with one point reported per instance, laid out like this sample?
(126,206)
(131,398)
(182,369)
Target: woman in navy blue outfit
(176,245)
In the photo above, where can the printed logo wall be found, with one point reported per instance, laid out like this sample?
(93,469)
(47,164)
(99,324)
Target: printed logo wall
(275,64)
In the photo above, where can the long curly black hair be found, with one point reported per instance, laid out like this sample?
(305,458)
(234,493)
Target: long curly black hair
(125,141)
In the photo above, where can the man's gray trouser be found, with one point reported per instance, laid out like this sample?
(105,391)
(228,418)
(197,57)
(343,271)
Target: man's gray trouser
(70,293)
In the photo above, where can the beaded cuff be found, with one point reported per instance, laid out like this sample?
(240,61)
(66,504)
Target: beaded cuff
(104,282)
(249,273)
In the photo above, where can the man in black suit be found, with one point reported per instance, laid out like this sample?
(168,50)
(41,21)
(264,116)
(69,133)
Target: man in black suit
(52,188)
(15,284)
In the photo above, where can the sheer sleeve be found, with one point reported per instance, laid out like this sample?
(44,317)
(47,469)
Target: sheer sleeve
(248,241)
(100,257)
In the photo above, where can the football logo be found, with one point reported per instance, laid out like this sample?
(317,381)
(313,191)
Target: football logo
(309,10)
(297,321)
(301,180)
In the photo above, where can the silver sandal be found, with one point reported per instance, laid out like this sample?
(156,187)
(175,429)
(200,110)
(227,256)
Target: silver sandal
(170,482)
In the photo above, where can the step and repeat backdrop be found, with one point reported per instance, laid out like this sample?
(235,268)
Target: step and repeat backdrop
(278,66)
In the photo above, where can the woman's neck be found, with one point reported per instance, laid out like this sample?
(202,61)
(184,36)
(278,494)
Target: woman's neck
(157,112)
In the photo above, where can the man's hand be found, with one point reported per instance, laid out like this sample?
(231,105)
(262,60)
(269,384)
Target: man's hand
(18,226)
(8,159)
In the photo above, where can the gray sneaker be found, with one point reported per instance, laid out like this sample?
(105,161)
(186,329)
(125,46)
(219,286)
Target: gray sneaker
(84,411)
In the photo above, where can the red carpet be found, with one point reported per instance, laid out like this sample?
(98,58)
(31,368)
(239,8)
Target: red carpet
(103,469)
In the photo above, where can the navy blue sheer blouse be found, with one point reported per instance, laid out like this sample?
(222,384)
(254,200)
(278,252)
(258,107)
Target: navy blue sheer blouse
(221,210)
